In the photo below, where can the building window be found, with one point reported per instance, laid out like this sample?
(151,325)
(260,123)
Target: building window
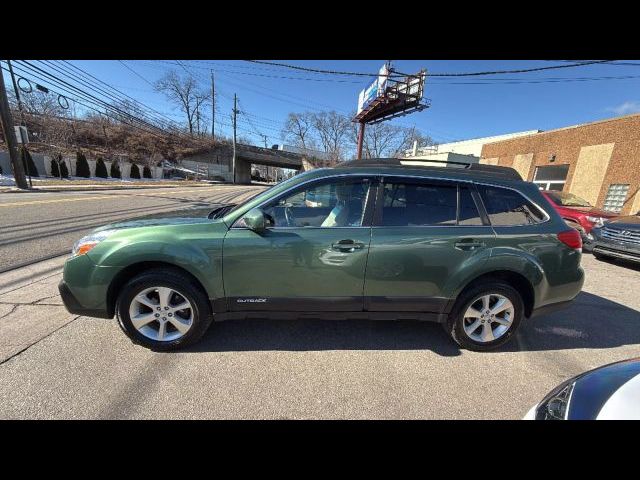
(551,177)
(616,195)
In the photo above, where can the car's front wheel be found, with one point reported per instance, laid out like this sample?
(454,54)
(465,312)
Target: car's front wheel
(486,316)
(163,310)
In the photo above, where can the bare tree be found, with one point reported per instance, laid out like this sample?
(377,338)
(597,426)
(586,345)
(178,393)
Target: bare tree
(201,117)
(297,129)
(333,130)
(185,93)
(384,140)
(38,103)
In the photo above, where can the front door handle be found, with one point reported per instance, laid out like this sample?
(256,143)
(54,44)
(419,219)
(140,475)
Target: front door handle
(347,246)
(468,244)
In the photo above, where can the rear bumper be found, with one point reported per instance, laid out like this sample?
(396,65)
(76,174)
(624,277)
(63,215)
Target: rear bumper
(73,306)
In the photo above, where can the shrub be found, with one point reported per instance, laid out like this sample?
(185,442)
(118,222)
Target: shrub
(64,170)
(146,172)
(101,169)
(82,166)
(135,171)
(55,171)
(30,165)
(115,170)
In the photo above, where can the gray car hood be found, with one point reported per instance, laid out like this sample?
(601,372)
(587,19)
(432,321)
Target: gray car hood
(632,222)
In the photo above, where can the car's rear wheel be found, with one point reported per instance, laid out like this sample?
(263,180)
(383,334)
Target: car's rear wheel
(163,310)
(486,316)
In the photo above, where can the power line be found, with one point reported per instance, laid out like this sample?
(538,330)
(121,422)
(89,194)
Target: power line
(79,102)
(80,97)
(138,106)
(135,73)
(121,94)
(89,96)
(317,70)
(117,97)
(459,74)
(332,80)
(504,81)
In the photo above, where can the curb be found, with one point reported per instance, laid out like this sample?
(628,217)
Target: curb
(96,188)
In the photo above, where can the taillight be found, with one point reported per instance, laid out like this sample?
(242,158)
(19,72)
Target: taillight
(571,238)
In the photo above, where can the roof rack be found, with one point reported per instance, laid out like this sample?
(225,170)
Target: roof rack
(493,170)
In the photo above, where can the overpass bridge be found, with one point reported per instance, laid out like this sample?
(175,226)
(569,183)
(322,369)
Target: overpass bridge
(246,155)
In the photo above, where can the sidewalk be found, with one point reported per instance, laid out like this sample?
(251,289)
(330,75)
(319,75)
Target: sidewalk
(30,306)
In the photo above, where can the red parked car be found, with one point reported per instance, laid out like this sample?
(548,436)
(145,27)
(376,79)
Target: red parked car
(578,213)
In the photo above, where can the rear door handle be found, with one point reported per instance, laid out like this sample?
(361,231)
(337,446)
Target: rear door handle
(468,244)
(347,246)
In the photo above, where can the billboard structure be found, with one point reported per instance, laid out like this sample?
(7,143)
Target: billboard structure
(391,95)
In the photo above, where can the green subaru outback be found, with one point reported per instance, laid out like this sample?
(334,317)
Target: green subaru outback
(470,246)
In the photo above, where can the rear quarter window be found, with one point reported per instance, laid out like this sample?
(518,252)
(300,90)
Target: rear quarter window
(508,207)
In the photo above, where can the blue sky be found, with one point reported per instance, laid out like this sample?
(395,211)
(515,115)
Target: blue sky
(458,111)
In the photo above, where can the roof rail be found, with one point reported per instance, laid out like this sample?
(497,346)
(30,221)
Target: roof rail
(494,170)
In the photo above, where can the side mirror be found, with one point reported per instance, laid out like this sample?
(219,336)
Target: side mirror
(255,220)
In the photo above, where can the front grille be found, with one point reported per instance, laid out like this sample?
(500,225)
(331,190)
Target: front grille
(627,236)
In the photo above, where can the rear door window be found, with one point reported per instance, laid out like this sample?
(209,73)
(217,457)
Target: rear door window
(508,207)
(418,204)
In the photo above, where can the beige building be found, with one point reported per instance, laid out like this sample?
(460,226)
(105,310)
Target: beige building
(598,161)
(472,147)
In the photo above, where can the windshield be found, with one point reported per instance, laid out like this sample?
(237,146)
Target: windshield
(568,199)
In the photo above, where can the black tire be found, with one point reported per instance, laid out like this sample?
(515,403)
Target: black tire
(174,279)
(455,323)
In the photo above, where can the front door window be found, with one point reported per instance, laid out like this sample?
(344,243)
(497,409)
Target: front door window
(335,204)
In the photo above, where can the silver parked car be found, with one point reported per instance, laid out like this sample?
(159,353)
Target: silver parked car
(618,238)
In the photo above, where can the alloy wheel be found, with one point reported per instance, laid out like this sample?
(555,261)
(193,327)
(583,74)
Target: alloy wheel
(488,317)
(161,314)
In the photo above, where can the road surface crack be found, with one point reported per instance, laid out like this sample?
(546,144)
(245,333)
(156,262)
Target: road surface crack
(15,307)
(27,347)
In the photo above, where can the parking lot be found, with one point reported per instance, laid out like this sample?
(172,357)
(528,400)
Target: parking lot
(56,365)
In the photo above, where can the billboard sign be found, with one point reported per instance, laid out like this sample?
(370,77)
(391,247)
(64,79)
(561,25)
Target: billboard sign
(373,91)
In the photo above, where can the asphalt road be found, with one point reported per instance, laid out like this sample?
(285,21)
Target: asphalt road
(55,365)
(38,225)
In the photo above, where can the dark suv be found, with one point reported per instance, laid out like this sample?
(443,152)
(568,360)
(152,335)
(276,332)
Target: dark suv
(470,246)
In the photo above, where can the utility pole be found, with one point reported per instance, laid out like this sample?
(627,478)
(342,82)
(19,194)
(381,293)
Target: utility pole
(360,140)
(24,141)
(265,146)
(213,109)
(235,114)
(15,86)
(10,137)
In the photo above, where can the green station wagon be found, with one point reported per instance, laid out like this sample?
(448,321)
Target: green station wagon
(470,246)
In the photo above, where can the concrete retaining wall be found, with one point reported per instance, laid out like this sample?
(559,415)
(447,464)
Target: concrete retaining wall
(43,164)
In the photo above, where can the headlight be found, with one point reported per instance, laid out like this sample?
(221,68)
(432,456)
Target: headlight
(85,244)
(596,220)
(555,406)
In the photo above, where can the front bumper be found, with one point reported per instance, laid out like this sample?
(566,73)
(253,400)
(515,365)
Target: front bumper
(617,249)
(73,306)
(84,287)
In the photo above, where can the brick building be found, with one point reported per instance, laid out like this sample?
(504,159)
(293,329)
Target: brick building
(598,161)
